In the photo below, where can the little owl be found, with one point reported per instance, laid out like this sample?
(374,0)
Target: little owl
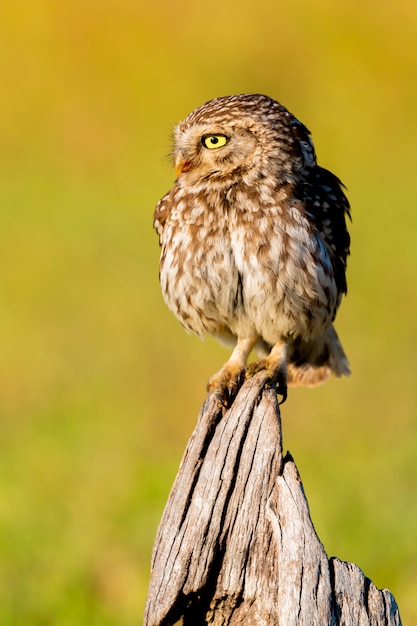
(254,243)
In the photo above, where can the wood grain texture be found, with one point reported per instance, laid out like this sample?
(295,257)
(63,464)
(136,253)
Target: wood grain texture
(236,544)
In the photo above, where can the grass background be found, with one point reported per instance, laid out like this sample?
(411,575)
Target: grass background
(99,385)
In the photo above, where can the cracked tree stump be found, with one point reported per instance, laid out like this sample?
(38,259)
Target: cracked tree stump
(236,544)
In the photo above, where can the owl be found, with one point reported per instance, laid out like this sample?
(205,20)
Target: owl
(254,243)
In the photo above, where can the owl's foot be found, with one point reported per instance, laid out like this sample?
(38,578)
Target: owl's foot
(275,367)
(274,377)
(225,384)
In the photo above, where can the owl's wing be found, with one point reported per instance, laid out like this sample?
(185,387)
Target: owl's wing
(161,213)
(324,200)
(327,205)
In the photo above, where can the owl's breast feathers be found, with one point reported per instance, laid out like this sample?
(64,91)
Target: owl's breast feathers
(228,257)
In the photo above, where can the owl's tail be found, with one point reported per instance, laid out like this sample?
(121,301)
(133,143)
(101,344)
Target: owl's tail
(310,363)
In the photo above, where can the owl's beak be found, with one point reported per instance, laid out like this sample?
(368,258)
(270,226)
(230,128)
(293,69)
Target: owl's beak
(182,165)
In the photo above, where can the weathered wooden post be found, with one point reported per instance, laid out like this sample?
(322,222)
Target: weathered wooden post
(236,544)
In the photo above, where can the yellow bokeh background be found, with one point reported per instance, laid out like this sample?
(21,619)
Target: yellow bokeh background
(100,387)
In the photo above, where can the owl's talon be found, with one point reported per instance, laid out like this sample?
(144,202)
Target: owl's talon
(281,389)
(225,385)
(279,383)
(274,376)
(223,399)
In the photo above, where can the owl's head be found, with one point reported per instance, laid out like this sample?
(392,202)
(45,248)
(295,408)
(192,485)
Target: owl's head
(249,136)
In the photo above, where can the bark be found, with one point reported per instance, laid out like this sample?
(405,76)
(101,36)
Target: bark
(236,544)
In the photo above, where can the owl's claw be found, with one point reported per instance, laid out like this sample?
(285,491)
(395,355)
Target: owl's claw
(225,384)
(282,390)
(274,376)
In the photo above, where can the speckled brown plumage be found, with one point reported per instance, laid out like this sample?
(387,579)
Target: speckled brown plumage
(254,242)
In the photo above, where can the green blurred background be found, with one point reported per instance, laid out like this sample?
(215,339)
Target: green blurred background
(100,385)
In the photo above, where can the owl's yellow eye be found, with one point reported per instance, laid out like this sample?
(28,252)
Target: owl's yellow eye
(214,141)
